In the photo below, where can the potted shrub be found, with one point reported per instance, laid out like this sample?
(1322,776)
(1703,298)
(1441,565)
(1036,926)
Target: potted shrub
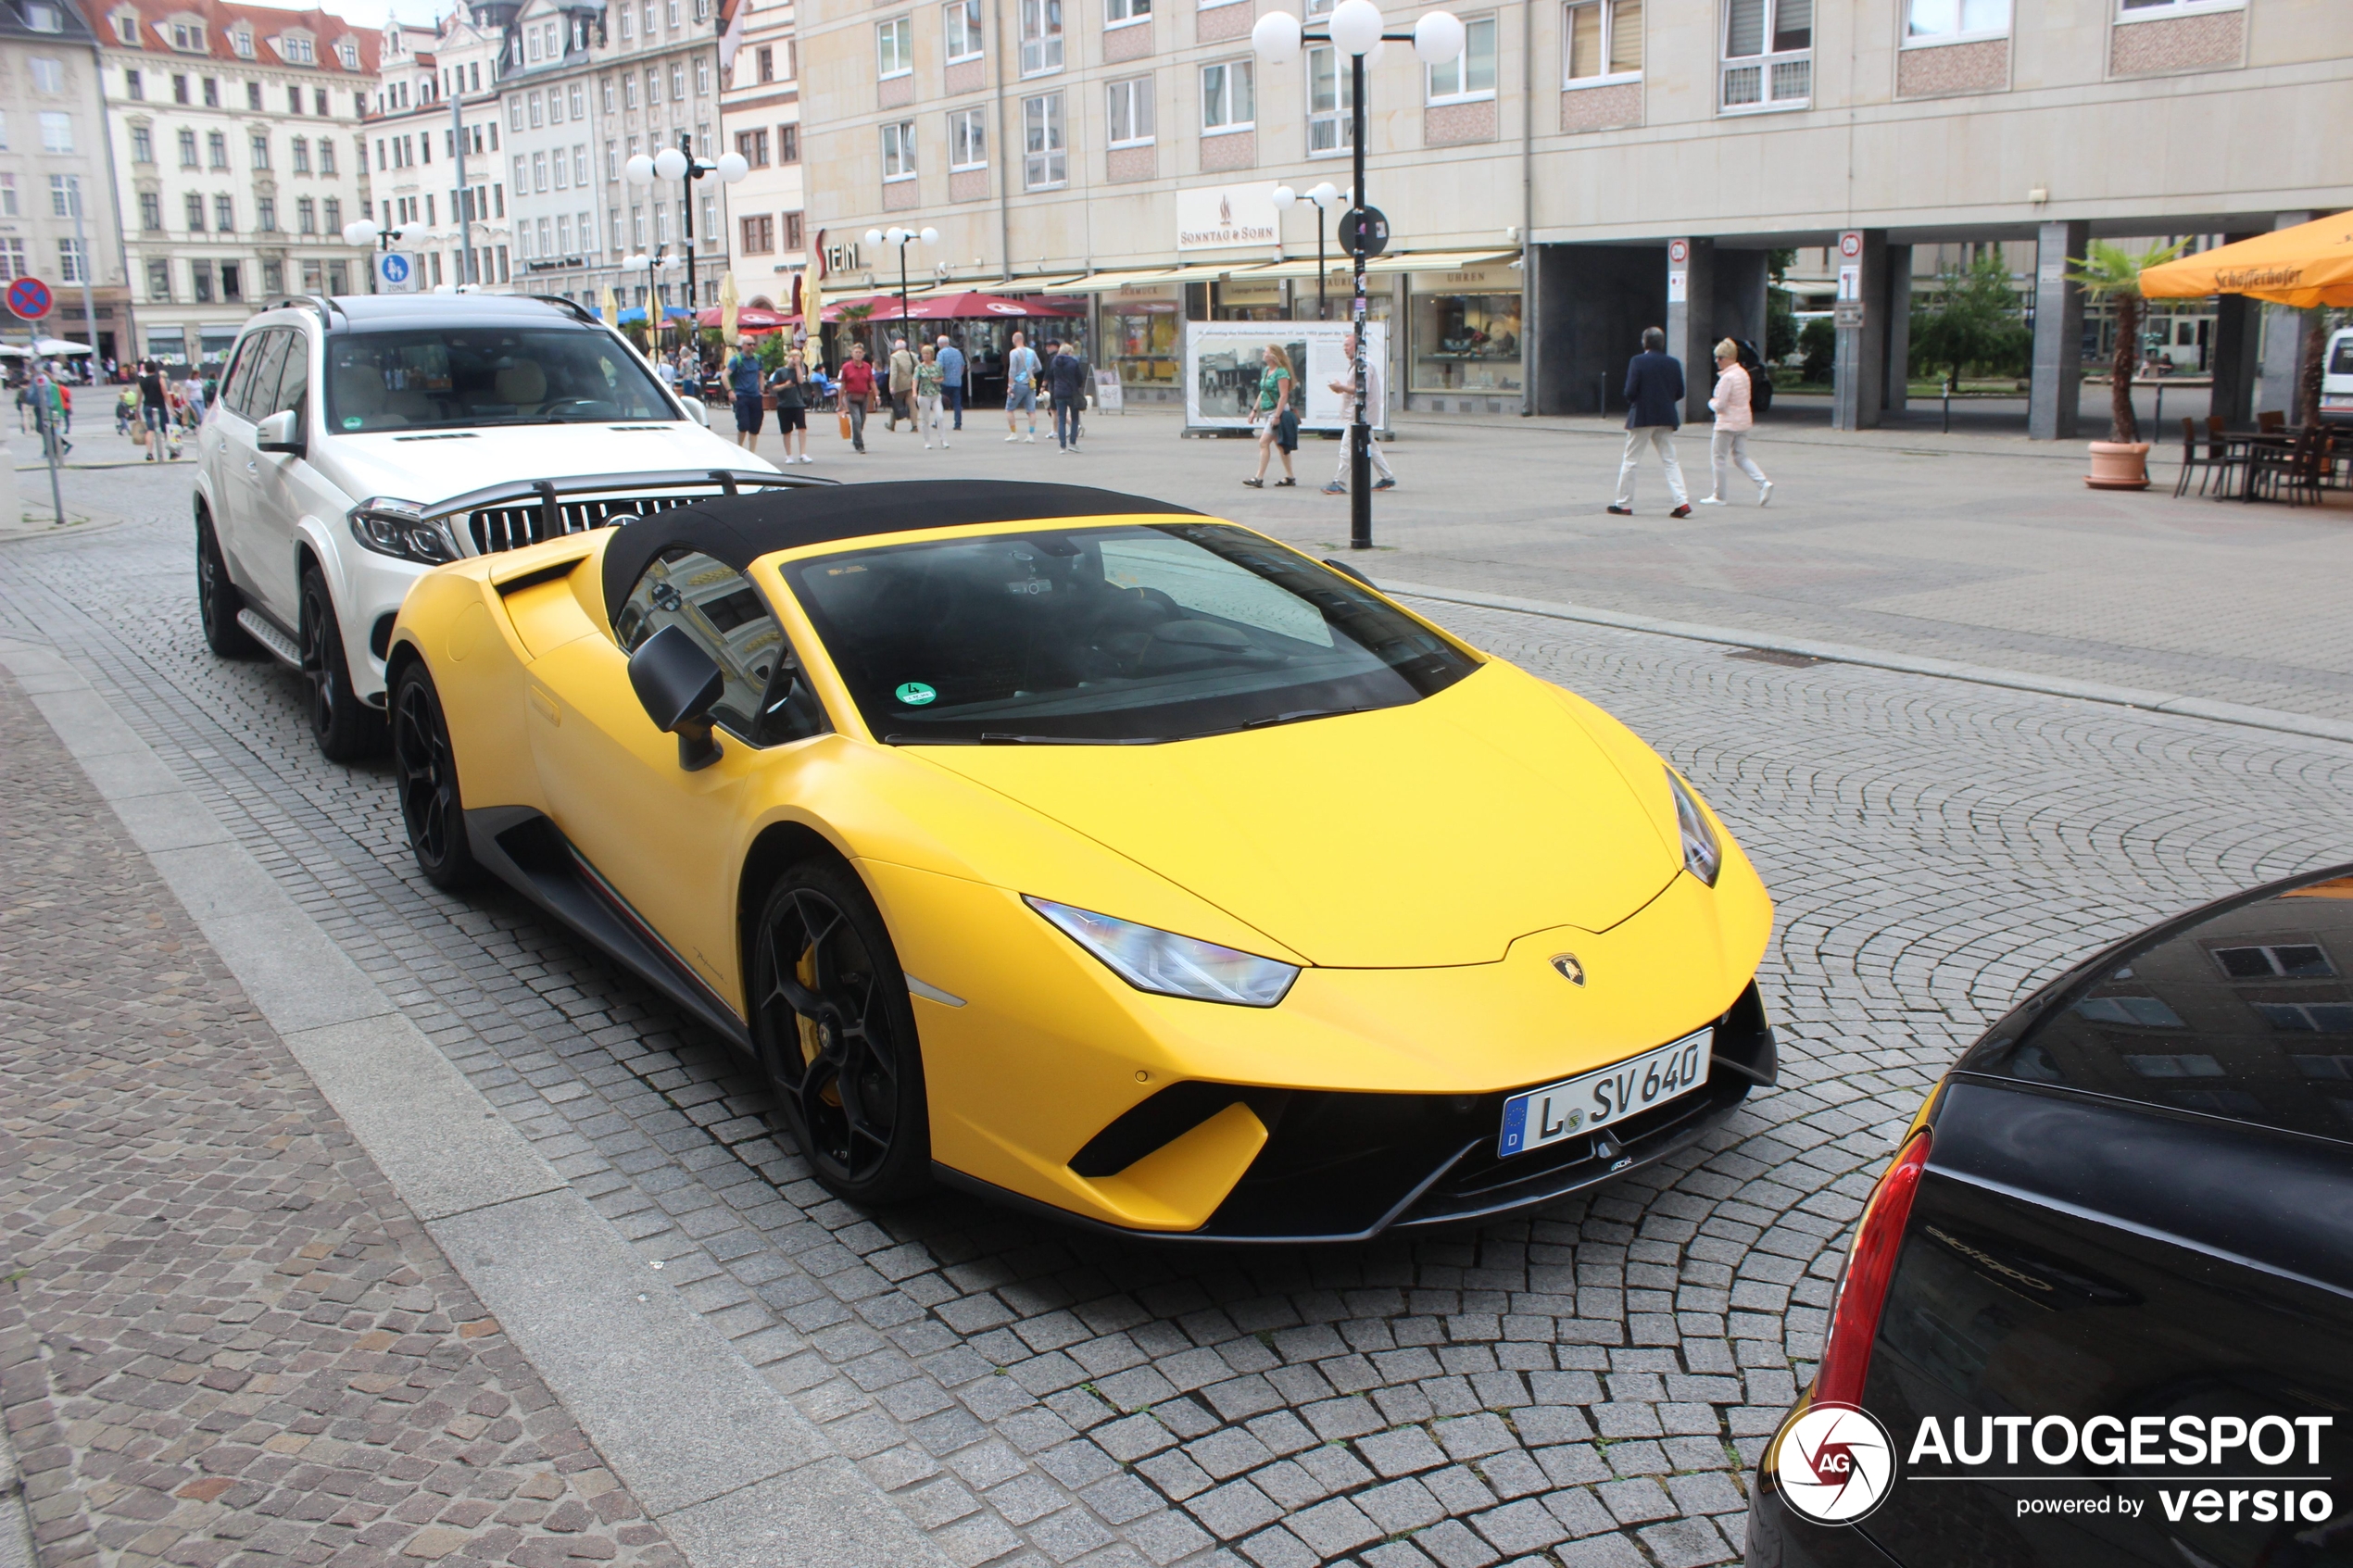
(2109,272)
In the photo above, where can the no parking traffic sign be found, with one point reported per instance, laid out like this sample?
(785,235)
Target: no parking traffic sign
(29,299)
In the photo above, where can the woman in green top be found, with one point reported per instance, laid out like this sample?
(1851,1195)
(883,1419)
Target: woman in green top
(927,398)
(1277,416)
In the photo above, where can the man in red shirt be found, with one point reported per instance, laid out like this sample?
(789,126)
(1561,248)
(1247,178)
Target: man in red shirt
(858,394)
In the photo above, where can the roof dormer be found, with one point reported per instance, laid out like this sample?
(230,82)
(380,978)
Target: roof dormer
(241,40)
(297,48)
(183,32)
(348,52)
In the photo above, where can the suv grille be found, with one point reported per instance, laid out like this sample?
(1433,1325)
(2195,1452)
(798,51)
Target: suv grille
(513,527)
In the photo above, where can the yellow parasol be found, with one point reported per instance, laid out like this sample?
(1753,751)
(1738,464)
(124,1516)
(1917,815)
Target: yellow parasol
(812,301)
(2306,266)
(727,308)
(610,308)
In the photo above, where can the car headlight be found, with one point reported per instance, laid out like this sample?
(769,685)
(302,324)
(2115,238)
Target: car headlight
(398,528)
(1703,851)
(1171,965)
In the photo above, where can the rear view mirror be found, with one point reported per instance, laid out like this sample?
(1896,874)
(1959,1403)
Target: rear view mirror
(695,411)
(679,684)
(282,432)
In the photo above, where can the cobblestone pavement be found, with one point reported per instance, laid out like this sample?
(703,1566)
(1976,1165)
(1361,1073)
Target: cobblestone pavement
(1584,1386)
(224,1340)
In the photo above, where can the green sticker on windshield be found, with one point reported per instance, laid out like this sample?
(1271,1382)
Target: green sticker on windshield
(914,694)
(353,421)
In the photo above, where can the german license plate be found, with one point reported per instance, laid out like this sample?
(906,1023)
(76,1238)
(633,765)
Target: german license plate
(1583,1105)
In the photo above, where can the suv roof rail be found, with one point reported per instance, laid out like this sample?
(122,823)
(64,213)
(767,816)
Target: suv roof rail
(304,302)
(571,306)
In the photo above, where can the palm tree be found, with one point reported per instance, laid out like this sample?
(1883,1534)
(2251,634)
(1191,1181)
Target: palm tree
(2110,272)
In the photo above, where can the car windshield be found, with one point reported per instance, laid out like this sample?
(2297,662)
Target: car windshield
(1104,635)
(439,378)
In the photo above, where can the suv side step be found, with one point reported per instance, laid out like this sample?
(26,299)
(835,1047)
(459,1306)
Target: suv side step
(274,642)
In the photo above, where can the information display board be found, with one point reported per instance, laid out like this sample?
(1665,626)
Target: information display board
(1223,362)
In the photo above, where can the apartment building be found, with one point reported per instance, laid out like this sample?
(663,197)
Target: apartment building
(434,136)
(1586,167)
(57,211)
(760,117)
(238,156)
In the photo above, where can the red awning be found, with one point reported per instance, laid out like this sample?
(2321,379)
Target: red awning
(964,307)
(748,318)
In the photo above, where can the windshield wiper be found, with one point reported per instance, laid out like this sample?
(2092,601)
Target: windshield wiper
(1296,715)
(995,737)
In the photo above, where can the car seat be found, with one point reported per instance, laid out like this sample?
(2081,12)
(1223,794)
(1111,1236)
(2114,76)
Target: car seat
(522,383)
(359,393)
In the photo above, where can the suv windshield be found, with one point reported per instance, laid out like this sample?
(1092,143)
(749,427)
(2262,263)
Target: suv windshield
(427,378)
(1130,634)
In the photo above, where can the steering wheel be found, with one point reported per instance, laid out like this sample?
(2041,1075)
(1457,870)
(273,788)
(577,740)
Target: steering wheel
(553,404)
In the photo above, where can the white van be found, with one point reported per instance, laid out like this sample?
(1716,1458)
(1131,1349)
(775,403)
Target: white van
(2336,378)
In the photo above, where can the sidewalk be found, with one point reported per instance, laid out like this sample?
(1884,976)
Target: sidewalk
(226,1340)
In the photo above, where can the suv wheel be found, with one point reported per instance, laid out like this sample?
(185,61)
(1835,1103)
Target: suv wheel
(425,771)
(345,728)
(218,600)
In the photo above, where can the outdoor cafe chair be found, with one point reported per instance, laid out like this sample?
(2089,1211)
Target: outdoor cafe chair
(2215,460)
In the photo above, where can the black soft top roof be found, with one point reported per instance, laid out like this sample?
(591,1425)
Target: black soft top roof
(739,530)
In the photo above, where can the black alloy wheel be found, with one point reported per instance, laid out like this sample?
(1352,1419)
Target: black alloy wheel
(425,770)
(345,728)
(836,1035)
(218,600)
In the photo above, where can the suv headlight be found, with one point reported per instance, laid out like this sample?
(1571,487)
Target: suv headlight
(393,527)
(1703,851)
(1171,965)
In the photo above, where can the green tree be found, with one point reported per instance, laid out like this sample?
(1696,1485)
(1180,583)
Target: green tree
(1972,318)
(1781,320)
(1819,342)
(2112,274)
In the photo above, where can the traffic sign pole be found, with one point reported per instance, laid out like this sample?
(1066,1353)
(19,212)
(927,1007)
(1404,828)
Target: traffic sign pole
(28,300)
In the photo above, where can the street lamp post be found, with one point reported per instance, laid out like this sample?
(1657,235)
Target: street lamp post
(1323,195)
(679,163)
(366,232)
(1356,27)
(902,238)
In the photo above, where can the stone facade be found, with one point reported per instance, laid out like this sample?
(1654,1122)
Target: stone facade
(1610,107)
(2177,44)
(1448,125)
(1980,66)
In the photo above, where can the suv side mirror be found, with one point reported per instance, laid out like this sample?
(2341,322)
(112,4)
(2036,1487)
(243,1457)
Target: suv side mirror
(678,684)
(695,410)
(282,432)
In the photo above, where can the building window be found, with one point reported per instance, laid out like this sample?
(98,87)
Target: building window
(12,263)
(265,214)
(224,214)
(1331,103)
(126,29)
(1041,36)
(580,165)
(72,264)
(1768,60)
(894,47)
(260,150)
(539,171)
(231,282)
(1470,75)
(677,82)
(899,150)
(960,30)
(296,49)
(188,37)
(764,61)
(326,157)
(752,147)
(8,198)
(1130,112)
(150,210)
(760,235)
(967,139)
(294,100)
(514,112)
(301,154)
(187,149)
(1045,161)
(200,274)
(348,52)
(273,279)
(702,76)
(787,143)
(1118,12)
(196,213)
(587,234)
(212,92)
(538,112)
(1950,21)
(241,40)
(159,282)
(1605,39)
(57,132)
(2135,10)
(306,216)
(143,145)
(49,76)
(253,97)
(132,87)
(793,240)
(42,16)
(1228,99)
(216,146)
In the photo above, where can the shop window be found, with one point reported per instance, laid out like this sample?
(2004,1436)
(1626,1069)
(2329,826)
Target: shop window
(1955,21)
(899,150)
(1147,339)
(894,47)
(1041,36)
(1044,147)
(1606,40)
(1768,56)
(967,139)
(1229,98)
(1331,103)
(1465,342)
(1470,75)
(1130,112)
(960,27)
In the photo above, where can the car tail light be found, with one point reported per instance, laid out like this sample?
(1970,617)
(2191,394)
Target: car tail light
(1862,1290)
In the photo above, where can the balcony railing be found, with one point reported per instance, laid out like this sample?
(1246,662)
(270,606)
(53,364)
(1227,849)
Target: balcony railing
(1767,81)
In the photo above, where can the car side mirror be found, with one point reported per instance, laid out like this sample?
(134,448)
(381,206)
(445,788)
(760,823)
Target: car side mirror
(695,411)
(282,432)
(679,685)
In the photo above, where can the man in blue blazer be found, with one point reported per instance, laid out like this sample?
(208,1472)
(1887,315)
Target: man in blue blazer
(1653,394)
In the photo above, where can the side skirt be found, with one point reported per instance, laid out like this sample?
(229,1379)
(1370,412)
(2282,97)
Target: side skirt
(526,852)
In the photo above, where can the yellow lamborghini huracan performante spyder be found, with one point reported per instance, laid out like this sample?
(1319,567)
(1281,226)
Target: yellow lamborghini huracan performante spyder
(1092,855)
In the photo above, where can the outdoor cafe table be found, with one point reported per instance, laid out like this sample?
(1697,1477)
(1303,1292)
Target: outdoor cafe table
(2243,446)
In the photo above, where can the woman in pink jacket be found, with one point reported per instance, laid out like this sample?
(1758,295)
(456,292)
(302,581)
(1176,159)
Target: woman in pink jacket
(1728,444)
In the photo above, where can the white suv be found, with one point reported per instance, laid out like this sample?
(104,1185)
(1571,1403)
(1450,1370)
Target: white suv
(358,441)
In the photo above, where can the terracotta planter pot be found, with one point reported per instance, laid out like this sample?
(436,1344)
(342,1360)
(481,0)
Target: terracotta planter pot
(2118,465)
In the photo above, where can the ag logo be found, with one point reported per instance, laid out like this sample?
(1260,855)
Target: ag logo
(1836,1463)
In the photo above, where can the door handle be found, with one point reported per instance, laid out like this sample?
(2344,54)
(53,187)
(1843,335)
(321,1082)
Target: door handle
(253,465)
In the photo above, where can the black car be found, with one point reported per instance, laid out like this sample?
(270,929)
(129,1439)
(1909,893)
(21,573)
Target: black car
(1760,379)
(2100,1310)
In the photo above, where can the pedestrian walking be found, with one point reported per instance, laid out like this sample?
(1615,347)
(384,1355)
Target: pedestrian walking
(792,385)
(1653,394)
(927,381)
(1728,442)
(858,395)
(902,382)
(1067,380)
(155,409)
(951,379)
(1021,388)
(743,381)
(1346,386)
(1277,416)
(1085,398)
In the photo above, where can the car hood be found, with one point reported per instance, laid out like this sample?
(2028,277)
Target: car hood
(1432,834)
(431,466)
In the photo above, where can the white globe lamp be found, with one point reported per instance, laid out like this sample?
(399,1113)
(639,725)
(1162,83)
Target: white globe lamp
(1284,198)
(1439,37)
(1323,194)
(639,170)
(874,238)
(670,164)
(731,168)
(1275,38)
(1356,26)
(929,236)
(361,231)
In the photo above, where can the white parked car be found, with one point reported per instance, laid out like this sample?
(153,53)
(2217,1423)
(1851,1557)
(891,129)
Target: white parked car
(2336,378)
(357,442)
